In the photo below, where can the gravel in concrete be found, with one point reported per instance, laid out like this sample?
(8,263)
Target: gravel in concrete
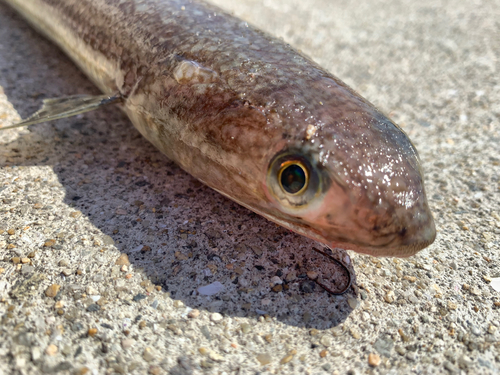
(105,244)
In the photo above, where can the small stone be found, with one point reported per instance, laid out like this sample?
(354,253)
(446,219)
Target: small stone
(354,333)
(288,357)
(246,328)
(123,260)
(452,305)
(203,351)
(49,243)
(11,231)
(326,341)
(25,260)
(400,350)
(178,304)
(390,297)
(93,307)
(91,291)
(66,272)
(155,370)
(313,332)
(52,290)
(313,275)
(211,289)
(215,356)
(193,314)
(326,367)
(353,302)
(292,275)
(216,317)
(51,350)
(374,359)
(107,240)
(75,214)
(323,353)
(148,354)
(492,329)
(383,346)
(82,371)
(92,332)
(138,297)
(264,358)
(127,343)
(15,260)
(275,280)
(411,356)
(36,353)
(277,288)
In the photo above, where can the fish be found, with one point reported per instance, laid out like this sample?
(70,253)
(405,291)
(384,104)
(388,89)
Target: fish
(248,115)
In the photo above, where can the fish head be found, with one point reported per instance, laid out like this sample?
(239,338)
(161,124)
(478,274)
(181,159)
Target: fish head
(349,178)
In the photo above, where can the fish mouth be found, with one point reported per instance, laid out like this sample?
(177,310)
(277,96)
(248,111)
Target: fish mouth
(401,244)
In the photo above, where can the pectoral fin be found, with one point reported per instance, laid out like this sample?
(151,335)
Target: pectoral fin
(53,109)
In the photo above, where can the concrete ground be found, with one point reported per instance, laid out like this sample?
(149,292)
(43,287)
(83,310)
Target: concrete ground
(77,193)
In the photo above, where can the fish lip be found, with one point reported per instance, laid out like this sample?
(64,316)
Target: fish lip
(395,245)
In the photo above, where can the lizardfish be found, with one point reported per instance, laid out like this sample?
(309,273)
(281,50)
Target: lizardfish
(247,115)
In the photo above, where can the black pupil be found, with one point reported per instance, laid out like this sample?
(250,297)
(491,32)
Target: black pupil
(293,178)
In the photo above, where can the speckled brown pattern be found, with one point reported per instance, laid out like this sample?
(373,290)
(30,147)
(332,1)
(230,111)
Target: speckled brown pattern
(222,99)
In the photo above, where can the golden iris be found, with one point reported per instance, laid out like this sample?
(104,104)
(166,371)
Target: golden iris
(293,177)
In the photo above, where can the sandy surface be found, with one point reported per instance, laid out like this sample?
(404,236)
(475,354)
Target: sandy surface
(77,193)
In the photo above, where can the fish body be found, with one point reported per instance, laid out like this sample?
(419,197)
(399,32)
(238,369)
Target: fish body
(250,117)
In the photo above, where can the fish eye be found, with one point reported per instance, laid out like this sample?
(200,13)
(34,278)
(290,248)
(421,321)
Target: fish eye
(293,179)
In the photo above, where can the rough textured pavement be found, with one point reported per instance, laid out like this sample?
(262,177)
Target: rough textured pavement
(77,193)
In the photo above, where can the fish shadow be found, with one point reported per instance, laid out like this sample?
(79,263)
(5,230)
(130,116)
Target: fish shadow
(179,234)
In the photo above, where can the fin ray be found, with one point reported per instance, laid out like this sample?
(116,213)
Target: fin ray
(56,108)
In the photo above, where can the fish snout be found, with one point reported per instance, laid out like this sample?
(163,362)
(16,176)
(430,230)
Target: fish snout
(404,232)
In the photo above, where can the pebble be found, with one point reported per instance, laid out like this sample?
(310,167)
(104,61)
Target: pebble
(400,350)
(92,332)
(246,328)
(49,243)
(193,314)
(264,358)
(148,354)
(91,290)
(36,353)
(411,356)
(211,289)
(275,280)
(326,341)
(178,304)
(288,357)
(354,333)
(214,356)
(353,302)
(122,260)
(51,350)
(390,297)
(127,343)
(374,359)
(52,290)
(155,370)
(216,317)
(313,275)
